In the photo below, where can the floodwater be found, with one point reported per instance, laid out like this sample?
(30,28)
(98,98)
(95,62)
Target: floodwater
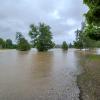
(36,75)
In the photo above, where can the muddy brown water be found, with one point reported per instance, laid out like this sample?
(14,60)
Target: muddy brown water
(36,75)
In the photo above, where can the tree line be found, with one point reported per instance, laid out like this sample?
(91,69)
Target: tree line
(7,44)
(41,38)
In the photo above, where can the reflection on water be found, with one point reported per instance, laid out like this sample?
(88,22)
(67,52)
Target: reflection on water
(39,75)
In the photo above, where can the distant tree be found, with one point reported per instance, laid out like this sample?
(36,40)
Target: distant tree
(2,43)
(64,46)
(22,43)
(41,37)
(58,46)
(79,39)
(9,44)
(14,46)
(70,45)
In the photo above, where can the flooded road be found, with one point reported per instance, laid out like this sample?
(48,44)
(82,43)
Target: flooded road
(39,75)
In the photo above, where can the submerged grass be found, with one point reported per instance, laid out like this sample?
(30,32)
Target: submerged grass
(89,80)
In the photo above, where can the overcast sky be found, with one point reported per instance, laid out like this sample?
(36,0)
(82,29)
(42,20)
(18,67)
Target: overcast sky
(64,17)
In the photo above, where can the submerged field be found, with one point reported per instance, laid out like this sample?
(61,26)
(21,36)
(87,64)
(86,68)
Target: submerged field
(89,81)
(49,75)
(36,75)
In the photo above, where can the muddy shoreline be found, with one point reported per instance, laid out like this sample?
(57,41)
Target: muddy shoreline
(89,80)
(81,91)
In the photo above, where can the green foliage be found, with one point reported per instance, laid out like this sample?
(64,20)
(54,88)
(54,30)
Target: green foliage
(79,39)
(9,44)
(2,43)
(93,18)
(22,43)
(93,15)
(70,45)
(93,32)
(41,37)
(93,57)
(64,46)
(78,44)
(97,44)
(83,39)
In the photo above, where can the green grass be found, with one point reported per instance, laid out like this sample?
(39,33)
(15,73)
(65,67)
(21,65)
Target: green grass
(94,57)
(89,81)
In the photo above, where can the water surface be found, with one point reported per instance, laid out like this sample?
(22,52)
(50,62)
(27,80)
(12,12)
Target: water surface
(39,75)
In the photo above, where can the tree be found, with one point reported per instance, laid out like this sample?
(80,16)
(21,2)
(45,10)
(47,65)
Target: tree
(22,43)
(41,37)
(82,38)
(70,45)
(93,15)
(2,43)
(93,18)
(9,44)
(64,46)
(93,32)
(78,44)
(79,39)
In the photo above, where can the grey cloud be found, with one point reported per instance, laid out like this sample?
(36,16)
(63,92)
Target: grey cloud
(17,15)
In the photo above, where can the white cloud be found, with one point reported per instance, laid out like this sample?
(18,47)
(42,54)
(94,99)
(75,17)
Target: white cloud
(55,14)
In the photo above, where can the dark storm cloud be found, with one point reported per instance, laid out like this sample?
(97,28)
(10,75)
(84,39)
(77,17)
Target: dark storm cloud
(64,16)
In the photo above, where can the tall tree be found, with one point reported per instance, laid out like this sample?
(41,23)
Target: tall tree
(82,39)
(79,43)
(2,43)
(22,43)
(70,45)
(9,44)
(93,15)
(64,46)
(93,18)
(41,36)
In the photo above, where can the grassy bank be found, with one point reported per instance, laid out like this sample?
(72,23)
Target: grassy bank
(89,80)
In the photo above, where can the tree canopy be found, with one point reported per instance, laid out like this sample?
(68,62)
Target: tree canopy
(22,43)
(83,39)
(93,15)
(64,46)
(93,32)
(9,44)
(70,45)
(93,18)
(2,43)
(41,36)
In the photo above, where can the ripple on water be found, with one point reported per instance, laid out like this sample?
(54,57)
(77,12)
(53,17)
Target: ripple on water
(39,75)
